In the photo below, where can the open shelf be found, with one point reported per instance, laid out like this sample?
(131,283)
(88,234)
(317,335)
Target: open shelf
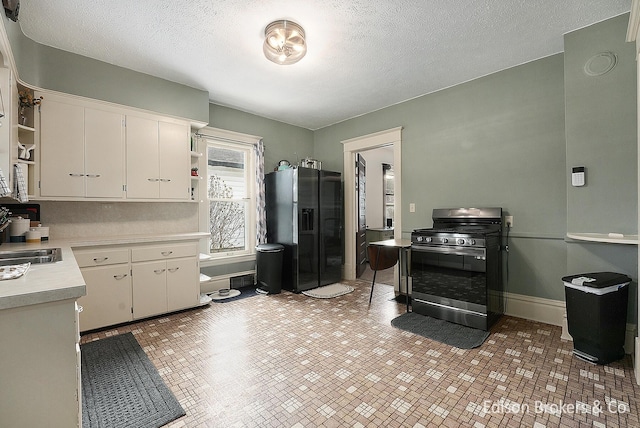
(605,238)
(26,128)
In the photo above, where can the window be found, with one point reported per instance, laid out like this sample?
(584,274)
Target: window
(230,197)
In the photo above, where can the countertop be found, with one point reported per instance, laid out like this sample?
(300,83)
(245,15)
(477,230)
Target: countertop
(49,282)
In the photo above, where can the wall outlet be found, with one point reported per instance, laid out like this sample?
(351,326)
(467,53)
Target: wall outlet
(508,219)
(412,207)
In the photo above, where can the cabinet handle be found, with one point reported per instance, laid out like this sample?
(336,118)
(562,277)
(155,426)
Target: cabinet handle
(172,270)
(93,175)
(121,276)
(100,260)
(75,175)
(153,179)
(165,180)
(166,253)
(159,271)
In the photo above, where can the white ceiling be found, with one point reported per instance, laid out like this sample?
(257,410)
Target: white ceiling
(363,55)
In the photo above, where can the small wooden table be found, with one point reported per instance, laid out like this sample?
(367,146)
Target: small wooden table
(403,246)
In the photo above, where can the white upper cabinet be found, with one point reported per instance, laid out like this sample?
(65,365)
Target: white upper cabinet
(158,159)
(175,160)
(104,153)
(142,158)
(94,150)
(82,151)
(61,149)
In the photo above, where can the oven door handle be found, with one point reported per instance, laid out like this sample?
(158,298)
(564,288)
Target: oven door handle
(478,253)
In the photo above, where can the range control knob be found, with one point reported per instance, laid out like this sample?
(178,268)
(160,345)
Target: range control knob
(427,239)
(473,242)
(419,238)
(445,240)
(460,241)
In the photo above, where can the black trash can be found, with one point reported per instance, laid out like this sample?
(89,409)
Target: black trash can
(269,268)
(597,314)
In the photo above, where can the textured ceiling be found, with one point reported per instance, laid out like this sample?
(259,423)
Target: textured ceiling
(363,55)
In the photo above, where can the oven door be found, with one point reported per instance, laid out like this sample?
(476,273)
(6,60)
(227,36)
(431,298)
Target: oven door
(450,283)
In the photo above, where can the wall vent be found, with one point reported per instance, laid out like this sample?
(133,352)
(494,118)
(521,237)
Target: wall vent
(241,281)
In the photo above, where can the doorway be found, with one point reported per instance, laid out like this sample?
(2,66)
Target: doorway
(351,147)
(374,200)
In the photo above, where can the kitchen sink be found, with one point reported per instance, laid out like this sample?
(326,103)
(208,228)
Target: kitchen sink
(45,255)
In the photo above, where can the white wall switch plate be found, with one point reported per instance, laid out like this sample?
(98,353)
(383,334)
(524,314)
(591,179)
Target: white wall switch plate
(412,207)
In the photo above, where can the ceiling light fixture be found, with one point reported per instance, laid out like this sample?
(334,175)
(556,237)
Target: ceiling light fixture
(284,42)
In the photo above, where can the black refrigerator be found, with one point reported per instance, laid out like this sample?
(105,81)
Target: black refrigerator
(304,214)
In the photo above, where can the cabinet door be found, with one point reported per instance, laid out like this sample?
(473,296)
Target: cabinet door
(143,176)
(62,149)
(149,288)
(183,283)
(104,154)
(175,160)
(108,299)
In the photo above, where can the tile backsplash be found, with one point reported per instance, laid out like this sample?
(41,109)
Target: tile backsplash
(103,219)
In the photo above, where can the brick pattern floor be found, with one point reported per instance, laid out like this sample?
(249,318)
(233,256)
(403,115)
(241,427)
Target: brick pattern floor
(289,360)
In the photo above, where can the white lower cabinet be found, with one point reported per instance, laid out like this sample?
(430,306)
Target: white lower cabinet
(165,278)
(150,294)
(108,300)
(39,380)
(164,286)
(129,282)
(107,273)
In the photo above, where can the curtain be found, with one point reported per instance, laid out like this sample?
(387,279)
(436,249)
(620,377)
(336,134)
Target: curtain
(261,218)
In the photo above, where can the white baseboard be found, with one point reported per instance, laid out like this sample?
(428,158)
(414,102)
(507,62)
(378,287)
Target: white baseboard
(554,312)
(535,308)
(222,281)
(636,360)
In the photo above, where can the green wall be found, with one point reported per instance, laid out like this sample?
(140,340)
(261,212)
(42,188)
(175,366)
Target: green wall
(509,139)
(601,131)
(601,135)
(495,141)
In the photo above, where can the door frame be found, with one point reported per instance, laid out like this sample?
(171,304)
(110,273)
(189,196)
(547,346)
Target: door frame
(390,137)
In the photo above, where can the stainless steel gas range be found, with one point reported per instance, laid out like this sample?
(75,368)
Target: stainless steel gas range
(456,267)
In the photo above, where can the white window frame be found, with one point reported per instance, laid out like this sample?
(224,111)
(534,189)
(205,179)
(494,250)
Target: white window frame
(236,141)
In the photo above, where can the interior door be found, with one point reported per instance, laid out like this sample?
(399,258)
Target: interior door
(361,209)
